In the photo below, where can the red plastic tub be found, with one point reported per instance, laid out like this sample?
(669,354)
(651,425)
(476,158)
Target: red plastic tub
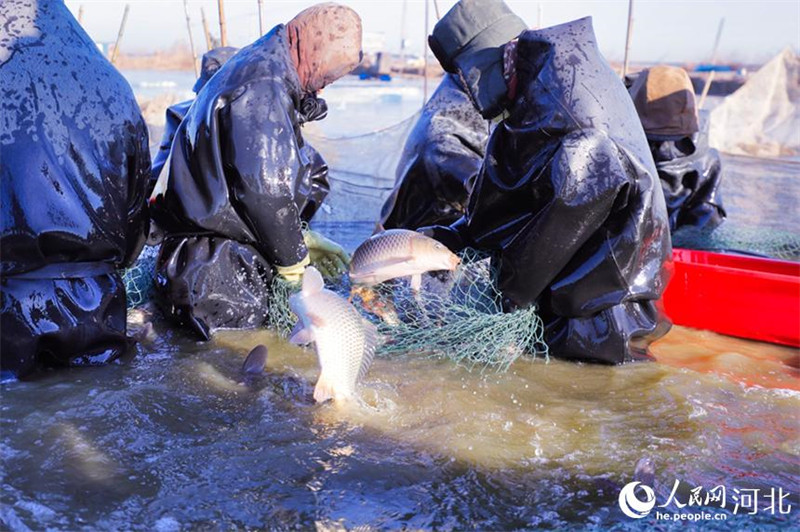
(737,295)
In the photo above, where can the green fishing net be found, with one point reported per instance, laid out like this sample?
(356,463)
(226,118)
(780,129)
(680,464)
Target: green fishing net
(455,315)
(742,239)
(138,279)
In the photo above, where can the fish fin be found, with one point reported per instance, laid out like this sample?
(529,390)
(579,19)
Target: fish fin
(256,360)
(416,282)
(324,389)
(312,281)
(301,335)
(371,340)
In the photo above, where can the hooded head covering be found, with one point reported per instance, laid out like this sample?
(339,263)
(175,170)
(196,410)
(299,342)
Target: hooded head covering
(469,41)
(324,43)
(213,61)
(664,99)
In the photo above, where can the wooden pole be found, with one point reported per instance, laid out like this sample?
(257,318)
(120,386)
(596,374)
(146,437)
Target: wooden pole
(223,33)
(119,35)
(80,14)
(706,87)
(710,78)
(260,18)
(191,39)
(628,40)
(425,58)
(205,29)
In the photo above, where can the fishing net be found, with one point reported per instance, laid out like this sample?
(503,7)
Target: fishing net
(361,171)
(762,118)
(457,316)
(735,238)
(138,279)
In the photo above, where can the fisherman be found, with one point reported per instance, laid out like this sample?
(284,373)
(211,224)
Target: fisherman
(689,170)
(440,160)
(242,180)
(74,165)
(212,61)
(568,199)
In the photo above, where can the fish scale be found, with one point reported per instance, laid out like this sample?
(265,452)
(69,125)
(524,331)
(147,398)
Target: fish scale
(399,253)
(344,341)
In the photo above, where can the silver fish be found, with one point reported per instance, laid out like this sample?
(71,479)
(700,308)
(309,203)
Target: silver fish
(399,253)
(345,342)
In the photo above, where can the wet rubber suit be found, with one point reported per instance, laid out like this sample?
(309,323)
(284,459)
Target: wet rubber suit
(74,164)
(212,61)
(689,170)
(240,183)
(568,200)
(440,160)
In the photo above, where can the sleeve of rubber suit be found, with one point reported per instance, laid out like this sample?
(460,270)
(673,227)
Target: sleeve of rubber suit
(318,178)
(588,174)
(138,171)
(262,160)
(174,115)
(704,207)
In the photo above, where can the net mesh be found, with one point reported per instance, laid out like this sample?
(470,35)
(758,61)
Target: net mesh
(733,238)
(362,171)
(762,118)
(456,316)
(138,279)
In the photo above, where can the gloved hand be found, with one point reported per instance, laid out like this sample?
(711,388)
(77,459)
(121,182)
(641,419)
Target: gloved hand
(294,273)
(328,256)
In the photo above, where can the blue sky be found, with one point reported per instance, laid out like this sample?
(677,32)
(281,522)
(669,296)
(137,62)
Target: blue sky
(663,31)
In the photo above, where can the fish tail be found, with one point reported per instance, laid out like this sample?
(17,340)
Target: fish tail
(324,389)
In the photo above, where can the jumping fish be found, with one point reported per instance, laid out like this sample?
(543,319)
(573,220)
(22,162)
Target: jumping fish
(399,253)
(345,342)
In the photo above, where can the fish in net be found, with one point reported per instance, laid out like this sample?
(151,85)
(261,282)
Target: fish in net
(456,315)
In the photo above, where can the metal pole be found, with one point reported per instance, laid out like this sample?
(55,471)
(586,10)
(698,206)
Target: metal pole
(425,58)
(205,28)
(80,14)
(223,33)
(628,39)
(260,18)
(436,8)
(119,35)
(191,39)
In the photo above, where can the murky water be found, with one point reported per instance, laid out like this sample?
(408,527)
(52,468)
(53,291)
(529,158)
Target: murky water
(179,438)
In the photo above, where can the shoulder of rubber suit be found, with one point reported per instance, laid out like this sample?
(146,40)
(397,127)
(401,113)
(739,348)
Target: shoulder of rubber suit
(49,51)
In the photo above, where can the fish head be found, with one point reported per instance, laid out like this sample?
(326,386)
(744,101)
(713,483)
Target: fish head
(433,254)
(312,285)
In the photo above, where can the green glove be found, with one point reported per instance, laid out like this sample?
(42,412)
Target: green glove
(328,256)
(294,273)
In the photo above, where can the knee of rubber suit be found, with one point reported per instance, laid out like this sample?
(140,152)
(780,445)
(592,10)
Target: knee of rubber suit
(619,334)
(207,283)
(61,322)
